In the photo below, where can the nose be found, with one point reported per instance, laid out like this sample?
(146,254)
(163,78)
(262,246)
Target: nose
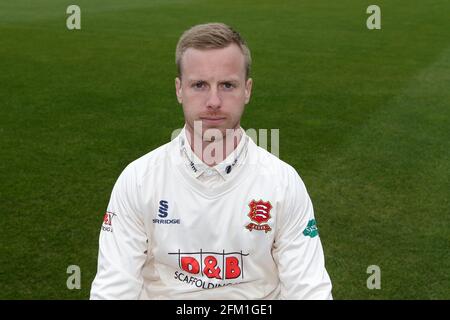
(213,100)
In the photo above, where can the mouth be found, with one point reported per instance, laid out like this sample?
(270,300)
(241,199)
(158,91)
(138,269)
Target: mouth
(212,120)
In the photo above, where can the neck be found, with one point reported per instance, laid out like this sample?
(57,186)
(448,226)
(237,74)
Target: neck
(213,152)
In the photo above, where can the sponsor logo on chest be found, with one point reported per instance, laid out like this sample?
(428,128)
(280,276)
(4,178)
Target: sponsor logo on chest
(200,267)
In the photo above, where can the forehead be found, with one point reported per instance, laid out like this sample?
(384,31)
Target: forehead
(207,63)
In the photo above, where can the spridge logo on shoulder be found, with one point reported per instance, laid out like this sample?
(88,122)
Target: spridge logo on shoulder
(163,212)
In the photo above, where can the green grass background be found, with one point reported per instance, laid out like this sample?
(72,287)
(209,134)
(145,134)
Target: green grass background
(364,116)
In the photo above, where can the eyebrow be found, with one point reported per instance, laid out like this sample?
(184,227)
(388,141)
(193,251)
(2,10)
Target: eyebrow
(231,80)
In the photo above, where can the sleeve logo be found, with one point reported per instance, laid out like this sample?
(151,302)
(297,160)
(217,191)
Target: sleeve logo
(107,221)
(311,229)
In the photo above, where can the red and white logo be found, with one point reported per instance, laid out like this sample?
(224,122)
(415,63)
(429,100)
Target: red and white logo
(205,265)
(107,221)
(259,213)
(211,266)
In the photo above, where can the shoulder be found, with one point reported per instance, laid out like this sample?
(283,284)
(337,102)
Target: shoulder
(147,164)
(268,164)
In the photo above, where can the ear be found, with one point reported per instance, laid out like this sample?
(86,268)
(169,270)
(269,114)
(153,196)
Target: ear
(178,89)
(248,89)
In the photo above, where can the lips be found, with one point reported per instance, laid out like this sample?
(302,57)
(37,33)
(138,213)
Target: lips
(212,119)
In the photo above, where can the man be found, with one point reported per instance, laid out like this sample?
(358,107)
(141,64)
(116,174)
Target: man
(210,215)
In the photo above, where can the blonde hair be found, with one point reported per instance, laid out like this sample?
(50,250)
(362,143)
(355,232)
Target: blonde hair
(211,36)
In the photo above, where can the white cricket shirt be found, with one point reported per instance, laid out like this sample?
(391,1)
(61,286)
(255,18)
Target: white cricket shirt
(170,232)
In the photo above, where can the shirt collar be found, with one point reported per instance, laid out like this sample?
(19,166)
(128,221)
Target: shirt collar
(197,167)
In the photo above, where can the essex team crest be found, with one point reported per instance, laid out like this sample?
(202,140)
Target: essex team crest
(259,213)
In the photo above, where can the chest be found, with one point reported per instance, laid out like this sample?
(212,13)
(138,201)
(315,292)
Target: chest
(194,231)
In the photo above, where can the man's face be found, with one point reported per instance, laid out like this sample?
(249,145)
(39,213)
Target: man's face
(213,88)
